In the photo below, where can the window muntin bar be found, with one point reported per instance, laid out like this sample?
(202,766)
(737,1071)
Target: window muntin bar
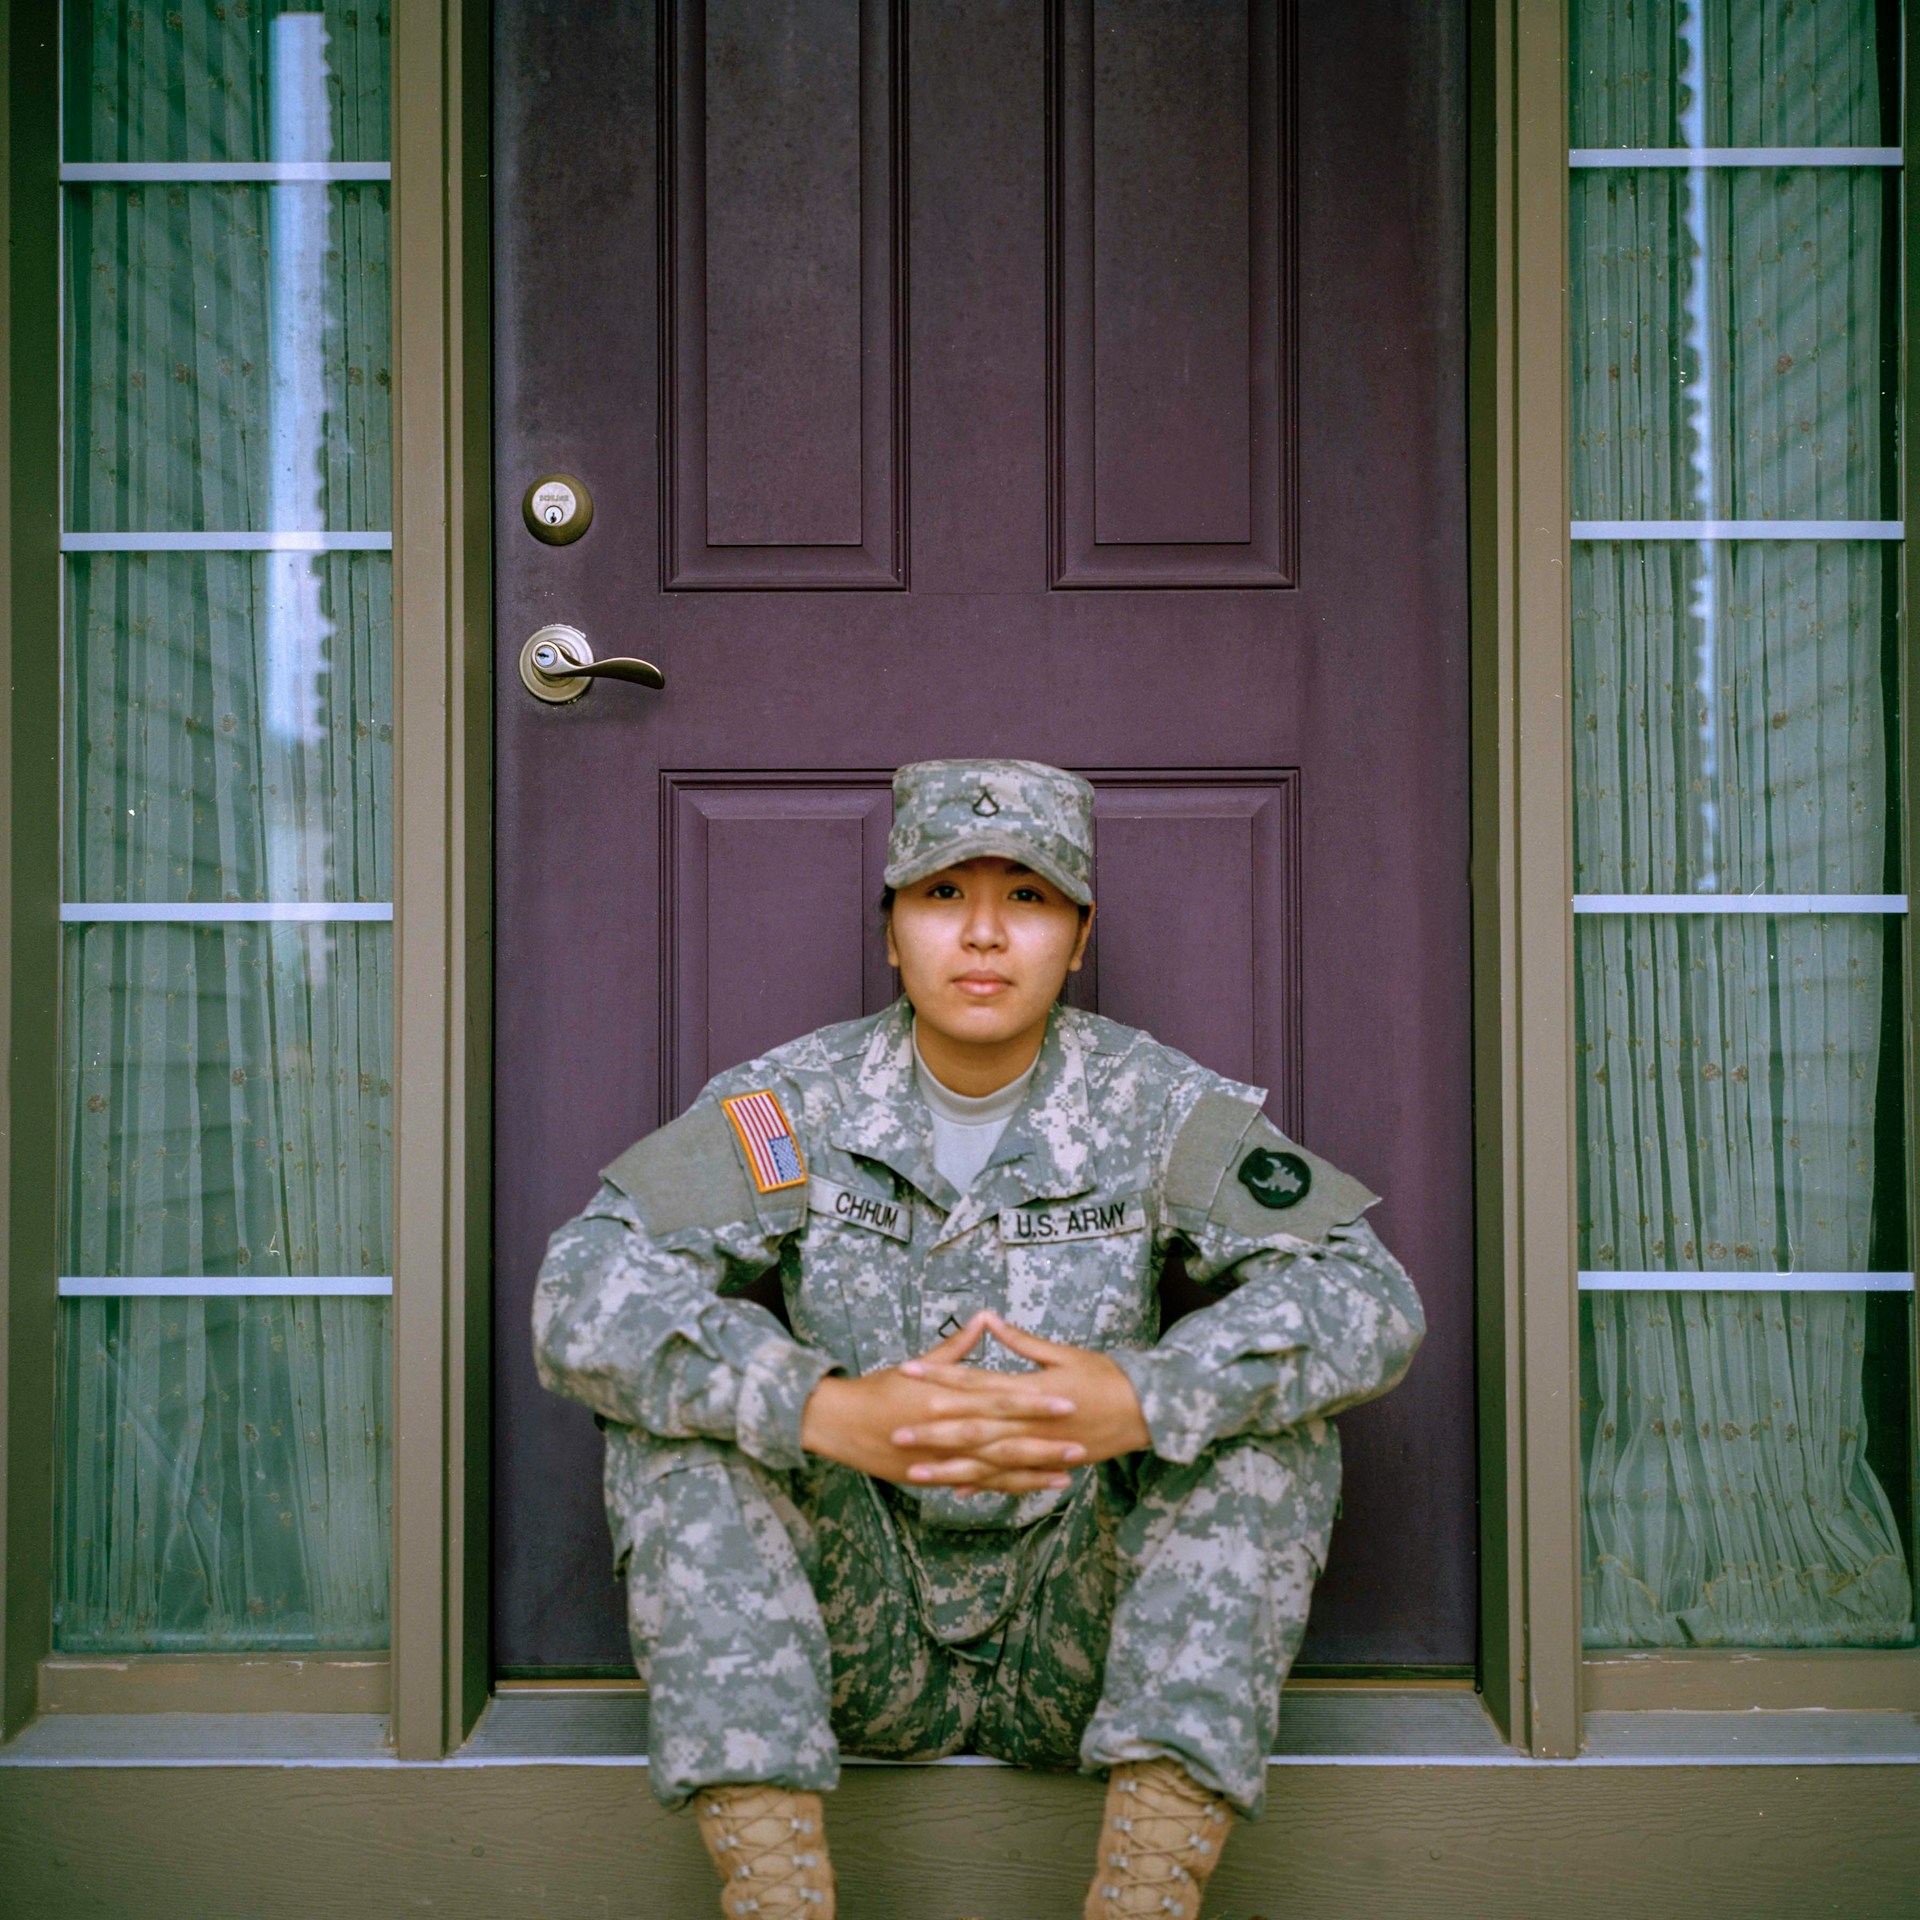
(225,1287)
(1707,530)
(147,173)
(1584,157)
(1768,903)
(1608,1280)
(222,912)
(285,540)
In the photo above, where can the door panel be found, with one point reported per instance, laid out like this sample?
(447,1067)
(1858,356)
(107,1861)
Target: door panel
(773,923)
(785,404)
(1172,249)
(1086,269)
(1197,936)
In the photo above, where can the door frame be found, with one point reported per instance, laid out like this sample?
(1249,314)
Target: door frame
(1530,1666)
(443,871)
(1532,1673)
(1519,806)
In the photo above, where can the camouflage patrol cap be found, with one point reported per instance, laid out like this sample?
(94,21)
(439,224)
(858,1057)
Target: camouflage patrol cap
(945,811)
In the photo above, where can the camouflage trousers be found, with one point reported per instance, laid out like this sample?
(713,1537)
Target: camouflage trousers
(781,1617)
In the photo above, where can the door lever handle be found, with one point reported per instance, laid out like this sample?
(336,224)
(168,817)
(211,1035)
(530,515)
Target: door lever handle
(557,665)
(641,673)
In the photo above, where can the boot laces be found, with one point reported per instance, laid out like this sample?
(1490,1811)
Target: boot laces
(773,1859)
(1164,1842)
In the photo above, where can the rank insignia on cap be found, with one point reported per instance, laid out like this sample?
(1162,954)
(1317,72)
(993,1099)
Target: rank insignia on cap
(773,1154)
(1275,1179)
(986,806)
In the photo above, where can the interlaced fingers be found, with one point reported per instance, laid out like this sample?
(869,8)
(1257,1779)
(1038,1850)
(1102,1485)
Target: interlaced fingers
(1160,1839)
(771,1849)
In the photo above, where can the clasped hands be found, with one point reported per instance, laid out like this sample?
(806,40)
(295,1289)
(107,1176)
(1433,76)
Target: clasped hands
(935,1422)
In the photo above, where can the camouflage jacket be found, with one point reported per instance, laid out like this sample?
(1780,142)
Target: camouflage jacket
(1122,1151)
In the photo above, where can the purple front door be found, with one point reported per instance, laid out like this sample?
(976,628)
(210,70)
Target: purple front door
(1083,382)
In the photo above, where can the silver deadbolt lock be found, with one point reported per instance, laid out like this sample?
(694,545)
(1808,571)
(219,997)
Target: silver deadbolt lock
(558,509)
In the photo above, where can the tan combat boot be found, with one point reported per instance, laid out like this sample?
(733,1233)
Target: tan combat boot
(771,1848)
(1160,1838)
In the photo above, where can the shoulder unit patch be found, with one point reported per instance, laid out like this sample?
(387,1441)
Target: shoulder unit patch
(766,1136)
(1276,1180)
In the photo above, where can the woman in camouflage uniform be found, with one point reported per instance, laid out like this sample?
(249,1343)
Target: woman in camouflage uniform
(972,1499)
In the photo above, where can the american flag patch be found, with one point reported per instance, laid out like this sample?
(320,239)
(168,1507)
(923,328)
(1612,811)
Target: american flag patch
(773,1154)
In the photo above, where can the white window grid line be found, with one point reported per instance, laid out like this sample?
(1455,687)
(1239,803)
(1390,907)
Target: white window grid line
(285,541)
(85,912)
(1689,157)
(349,1286)
(1769,903)
(1738,529)
(1601,1281)
(135,173)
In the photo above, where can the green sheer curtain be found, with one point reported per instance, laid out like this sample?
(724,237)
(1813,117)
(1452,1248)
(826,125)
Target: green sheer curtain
(1731,735)
(224,1475)
(228,715)
(1771,73)
(193,81)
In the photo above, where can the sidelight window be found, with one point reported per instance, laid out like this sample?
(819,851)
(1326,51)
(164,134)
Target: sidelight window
(227,1009)
(1746,1268)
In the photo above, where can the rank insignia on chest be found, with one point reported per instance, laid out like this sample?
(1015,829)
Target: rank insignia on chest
(766,1135)
(1276,1180)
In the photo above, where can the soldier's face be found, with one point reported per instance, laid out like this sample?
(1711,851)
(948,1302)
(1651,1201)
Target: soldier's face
(983,949)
